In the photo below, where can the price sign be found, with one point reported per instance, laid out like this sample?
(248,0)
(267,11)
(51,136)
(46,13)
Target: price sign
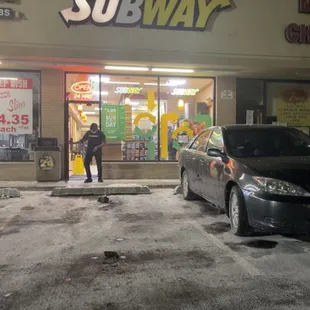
(16,105)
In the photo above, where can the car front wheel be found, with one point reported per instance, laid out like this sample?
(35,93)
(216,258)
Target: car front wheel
(186,191)
(238,213)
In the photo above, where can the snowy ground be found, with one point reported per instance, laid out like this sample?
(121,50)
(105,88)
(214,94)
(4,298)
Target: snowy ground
(174,255)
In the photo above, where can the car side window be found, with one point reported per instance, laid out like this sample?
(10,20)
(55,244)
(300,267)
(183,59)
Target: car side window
(216,140)
(201,141)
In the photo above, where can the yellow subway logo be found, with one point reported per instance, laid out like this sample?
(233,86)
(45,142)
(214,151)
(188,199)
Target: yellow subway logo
(161,14)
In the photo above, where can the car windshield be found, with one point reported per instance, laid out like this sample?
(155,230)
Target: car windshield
(267,142)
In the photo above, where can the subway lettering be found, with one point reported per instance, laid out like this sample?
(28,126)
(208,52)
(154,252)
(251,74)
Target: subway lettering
(165,14)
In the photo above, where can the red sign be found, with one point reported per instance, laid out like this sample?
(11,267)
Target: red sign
(295,95)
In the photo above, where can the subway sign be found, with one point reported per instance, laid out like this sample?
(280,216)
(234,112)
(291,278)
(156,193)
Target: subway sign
(161,14)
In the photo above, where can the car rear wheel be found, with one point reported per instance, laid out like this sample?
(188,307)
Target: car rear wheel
(238,214)
(186,191)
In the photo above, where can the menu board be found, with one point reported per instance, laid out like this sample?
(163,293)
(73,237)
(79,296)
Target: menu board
(113,122)
(293,106)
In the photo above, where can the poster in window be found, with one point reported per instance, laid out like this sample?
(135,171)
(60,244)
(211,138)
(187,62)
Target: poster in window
(293,106)
(113,119)
(16,106)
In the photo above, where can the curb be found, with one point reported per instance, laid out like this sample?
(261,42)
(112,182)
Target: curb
(51,188)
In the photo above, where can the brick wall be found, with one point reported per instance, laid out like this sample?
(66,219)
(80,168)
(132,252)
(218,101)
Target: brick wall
(52,103)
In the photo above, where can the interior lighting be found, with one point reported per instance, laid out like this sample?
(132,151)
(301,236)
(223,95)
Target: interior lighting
(127,83)
(127,101)
(7,78)
(80,108)
(181,104)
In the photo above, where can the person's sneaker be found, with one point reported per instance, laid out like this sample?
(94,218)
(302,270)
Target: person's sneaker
(100,180)
(88,181)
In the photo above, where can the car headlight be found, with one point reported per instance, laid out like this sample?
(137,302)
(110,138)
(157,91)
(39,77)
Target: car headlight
(278,187)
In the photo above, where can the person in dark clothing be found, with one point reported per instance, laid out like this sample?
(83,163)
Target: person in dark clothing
(96,139)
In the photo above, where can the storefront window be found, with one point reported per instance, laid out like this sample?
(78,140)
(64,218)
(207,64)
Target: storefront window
(19,115)
(131,110)
(129,117)
(186,109)
(288,104)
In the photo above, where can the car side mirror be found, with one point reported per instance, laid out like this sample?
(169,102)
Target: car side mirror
(217,153)
(214,153)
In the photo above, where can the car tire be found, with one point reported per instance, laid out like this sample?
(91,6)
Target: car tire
(238,214)
(186,190)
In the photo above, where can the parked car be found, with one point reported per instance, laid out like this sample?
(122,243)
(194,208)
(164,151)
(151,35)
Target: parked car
(259,175)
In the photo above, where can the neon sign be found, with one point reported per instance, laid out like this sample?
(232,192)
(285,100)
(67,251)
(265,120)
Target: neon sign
(82,90)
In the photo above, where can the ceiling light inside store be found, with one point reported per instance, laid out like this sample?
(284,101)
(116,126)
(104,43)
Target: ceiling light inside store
(89,113)
(173,70)
(103,93)
(168,83)
(122,68)
(105,80)
(127,101)
(7,78)
(176,82)
(127,83)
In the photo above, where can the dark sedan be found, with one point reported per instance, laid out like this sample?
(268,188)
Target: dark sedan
(259,175)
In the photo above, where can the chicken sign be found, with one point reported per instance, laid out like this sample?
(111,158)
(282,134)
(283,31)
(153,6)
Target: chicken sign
(161,14)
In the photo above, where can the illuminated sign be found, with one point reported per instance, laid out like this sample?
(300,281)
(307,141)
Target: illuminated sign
(169,14)
(185,92)
(299,34)
(82,90)
(128,90)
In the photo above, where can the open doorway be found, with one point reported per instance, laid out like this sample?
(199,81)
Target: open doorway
(81,116)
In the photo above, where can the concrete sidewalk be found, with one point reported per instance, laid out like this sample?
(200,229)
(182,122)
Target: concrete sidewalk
(49,186)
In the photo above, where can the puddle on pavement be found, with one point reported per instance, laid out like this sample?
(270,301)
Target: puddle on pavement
(254,244)
(217,228)
(261,244)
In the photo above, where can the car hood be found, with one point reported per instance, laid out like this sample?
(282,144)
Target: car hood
(291,169)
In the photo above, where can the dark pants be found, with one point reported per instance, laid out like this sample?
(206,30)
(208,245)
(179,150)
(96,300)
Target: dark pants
(88,158)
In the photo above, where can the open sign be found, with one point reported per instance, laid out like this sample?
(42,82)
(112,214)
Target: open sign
(84,87)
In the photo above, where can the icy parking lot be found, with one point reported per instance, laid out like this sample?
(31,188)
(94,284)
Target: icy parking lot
(142,252)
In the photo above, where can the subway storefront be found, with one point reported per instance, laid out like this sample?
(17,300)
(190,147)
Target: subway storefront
(151,73)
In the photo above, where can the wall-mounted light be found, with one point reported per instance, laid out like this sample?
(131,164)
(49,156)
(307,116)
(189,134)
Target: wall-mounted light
(181,104)
(173,70)
(125,68)
(127,101)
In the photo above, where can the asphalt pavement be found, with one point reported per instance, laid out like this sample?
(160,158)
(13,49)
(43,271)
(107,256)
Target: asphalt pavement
(142,252)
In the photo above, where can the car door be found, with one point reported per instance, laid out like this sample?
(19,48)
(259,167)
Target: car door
(193,155)
(213,171)
(199,161)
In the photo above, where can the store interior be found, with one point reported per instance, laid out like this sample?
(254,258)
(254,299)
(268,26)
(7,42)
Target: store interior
(184,97)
